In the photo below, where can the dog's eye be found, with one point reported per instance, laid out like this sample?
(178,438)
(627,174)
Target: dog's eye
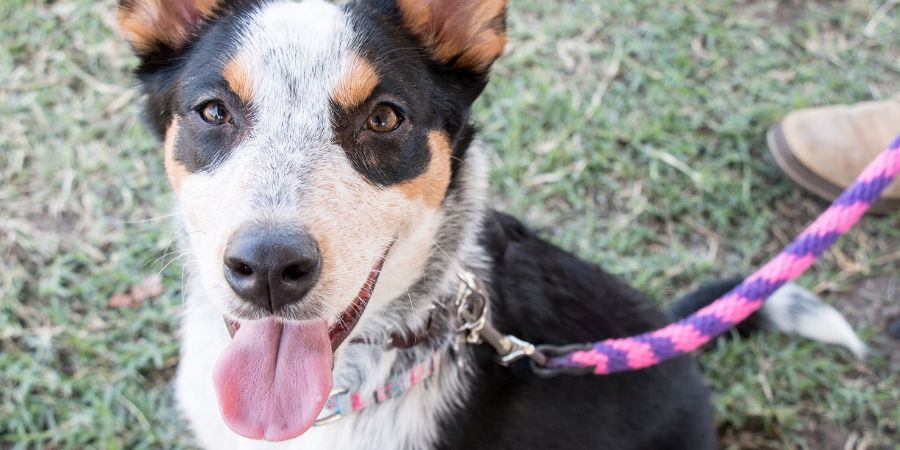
(214,113)
(384,118)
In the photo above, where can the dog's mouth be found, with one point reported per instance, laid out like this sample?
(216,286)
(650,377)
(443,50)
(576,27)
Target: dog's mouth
(273,379)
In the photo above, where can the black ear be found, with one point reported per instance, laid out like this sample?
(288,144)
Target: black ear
(466,34)
(154,26)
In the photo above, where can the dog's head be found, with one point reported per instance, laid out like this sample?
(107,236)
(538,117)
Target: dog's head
(305,142)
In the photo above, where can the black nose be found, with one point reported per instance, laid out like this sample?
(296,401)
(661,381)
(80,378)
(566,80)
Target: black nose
(271,267)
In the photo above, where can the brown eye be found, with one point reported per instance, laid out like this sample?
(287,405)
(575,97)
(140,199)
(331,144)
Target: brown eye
(384,118)
(214,113)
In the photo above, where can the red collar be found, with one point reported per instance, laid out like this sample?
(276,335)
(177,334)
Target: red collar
(350,316)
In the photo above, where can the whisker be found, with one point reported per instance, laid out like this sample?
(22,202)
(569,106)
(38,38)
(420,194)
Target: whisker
(183,254)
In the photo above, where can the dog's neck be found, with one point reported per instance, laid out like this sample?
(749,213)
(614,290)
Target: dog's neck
(363,366)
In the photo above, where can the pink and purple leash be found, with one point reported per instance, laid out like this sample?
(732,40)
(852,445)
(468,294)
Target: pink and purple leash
(692,332)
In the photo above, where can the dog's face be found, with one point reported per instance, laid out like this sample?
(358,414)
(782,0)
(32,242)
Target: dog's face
(305,142)
(335,127)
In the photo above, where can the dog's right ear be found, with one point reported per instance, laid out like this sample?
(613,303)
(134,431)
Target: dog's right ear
(154,26)
(158,31)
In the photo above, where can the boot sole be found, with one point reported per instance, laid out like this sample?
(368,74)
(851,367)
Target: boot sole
(796,171)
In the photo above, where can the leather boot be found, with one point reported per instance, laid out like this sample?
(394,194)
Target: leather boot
(824,149)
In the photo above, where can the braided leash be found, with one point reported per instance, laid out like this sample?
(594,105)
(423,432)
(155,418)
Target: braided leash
(690,333)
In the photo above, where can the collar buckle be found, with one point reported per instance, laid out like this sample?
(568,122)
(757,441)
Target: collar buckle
(335,414)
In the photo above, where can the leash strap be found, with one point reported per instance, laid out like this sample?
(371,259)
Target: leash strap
(649,349)
(692,332)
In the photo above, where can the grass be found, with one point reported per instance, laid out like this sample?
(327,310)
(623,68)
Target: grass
(631,132)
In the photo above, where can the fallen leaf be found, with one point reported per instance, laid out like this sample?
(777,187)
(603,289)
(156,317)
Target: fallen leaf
(147,289)
(120,301)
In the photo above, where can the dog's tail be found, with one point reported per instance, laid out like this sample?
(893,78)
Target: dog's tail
(791,309)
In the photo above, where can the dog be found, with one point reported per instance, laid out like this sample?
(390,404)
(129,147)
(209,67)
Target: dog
(331,188)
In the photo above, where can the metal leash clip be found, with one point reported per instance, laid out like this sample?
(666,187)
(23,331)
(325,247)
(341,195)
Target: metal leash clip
(472,307)
(473,313)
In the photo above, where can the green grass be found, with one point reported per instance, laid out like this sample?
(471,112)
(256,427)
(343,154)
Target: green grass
(630,132)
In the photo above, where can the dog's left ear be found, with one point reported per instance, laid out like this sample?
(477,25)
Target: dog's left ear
(465,34)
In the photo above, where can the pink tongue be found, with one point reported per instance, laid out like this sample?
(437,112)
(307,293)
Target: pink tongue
(272,381)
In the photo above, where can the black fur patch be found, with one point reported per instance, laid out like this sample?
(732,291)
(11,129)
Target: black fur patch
(163,74)
(203,146)
(431,96)
(545,295)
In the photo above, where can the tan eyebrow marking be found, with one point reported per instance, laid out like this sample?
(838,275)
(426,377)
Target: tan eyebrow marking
(357,84)
(237,73)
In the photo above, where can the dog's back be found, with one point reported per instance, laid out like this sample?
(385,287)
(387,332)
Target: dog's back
(544,294)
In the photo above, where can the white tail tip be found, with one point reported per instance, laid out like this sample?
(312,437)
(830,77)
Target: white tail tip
(795,310)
